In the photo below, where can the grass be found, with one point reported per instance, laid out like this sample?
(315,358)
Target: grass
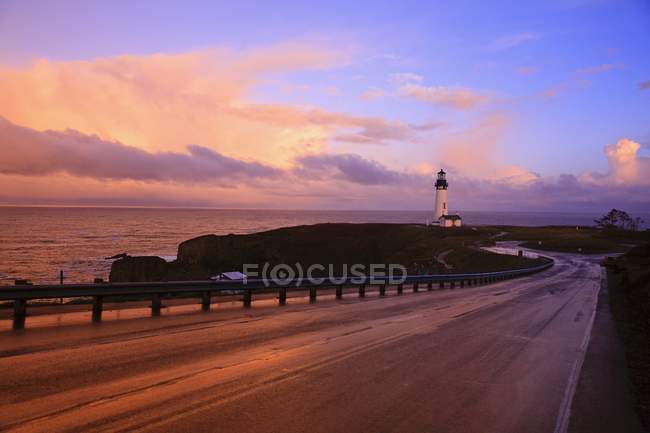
(628,279)
(585,240)
(413,246)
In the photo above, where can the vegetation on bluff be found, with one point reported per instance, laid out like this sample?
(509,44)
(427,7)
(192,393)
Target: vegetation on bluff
(629,295)
(421,249)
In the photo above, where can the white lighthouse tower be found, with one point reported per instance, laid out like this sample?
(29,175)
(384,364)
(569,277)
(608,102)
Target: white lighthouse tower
(441,195)
(442,206)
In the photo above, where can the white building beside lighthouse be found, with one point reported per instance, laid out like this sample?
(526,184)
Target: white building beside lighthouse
(442,205)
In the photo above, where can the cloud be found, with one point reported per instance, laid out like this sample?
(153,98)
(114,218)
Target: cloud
(341,127)
(476,149)
(392,57)
(554,91)
(332,90)
(80,164)
(625,165)
(133,117)
(453,97)
(373,94)
(599,69)
(510,41)
(527,70)
(159,102)
(405,77)
(349,167)
(33,153)
(624,184)
(644,85)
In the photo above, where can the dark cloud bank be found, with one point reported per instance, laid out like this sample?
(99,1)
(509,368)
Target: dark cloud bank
(32,153)
(28,152)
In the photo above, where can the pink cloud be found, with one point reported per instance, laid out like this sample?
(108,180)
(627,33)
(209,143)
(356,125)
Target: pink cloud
(599,69)
(453,97)
(527,70)
(373,94)
(34,153)
(513,40)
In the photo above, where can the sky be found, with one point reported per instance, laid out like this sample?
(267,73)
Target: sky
(326,105)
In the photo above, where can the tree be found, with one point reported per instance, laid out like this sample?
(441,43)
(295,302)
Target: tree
(618,220)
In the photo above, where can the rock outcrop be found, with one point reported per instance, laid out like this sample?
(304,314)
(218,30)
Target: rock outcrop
(142,268)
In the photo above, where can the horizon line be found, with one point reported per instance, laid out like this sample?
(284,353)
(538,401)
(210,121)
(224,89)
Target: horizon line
(72,206)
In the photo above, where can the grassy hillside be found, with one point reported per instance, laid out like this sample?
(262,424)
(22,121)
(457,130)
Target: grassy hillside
(586,240)
(629,294)
(417,247)
(421,249)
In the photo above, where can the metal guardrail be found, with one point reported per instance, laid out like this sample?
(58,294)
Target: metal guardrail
(20,294)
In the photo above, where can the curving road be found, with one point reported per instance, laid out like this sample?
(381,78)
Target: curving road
(498,358)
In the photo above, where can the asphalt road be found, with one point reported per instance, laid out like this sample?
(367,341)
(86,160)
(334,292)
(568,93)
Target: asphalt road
(497,358)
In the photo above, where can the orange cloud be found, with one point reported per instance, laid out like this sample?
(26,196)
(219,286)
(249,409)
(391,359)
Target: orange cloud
(373,94)
(626,166)
(453,97)
(165,101)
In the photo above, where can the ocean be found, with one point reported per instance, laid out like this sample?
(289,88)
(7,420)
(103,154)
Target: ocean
(37,242)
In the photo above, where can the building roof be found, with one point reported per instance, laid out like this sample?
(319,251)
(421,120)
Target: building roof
(232,275)
(451,217)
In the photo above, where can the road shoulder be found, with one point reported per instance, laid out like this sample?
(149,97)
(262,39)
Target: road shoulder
(604,401)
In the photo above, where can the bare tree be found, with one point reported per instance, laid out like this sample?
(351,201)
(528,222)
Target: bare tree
(618,220)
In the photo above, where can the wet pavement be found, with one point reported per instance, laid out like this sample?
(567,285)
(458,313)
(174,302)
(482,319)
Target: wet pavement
(494,358)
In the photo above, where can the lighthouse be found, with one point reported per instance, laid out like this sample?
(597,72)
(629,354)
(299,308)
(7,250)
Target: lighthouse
(442,206)
(441,195)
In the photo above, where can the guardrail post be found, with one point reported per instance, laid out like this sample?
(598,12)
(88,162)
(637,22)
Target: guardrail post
(248,298)
(441,285)
(98,307)
(362,290)
(429,286)
(462,283)
(339,292)
(20,312)
(155,304)
(452,284)
(205,300)
(400,289)
(416,287)
(282,296)
(382,290)
(312,294)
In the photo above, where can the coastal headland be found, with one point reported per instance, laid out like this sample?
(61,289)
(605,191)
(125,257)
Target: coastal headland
(420,249)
